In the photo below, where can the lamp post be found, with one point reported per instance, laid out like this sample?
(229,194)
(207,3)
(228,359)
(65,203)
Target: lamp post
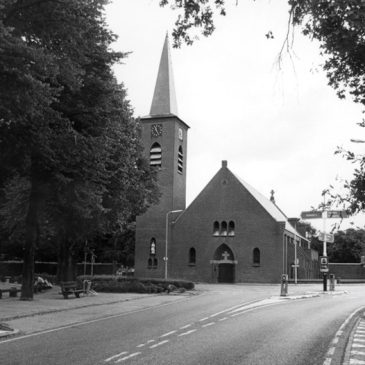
(167,237)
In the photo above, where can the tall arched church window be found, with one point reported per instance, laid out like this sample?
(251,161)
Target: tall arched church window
(224,228)
(155,155)
(216,228)
(153,247)
(256,256)
(231,228)
(192,256)
(180,160)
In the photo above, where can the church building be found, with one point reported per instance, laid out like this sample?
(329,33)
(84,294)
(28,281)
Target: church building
(229,233)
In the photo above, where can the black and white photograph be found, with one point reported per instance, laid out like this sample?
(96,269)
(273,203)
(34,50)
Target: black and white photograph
(182,182)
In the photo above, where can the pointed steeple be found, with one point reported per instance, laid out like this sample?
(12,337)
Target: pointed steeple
(164,98)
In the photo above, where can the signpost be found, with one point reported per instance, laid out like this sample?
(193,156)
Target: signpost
(323,236)
(337,214)
(328,237)
(311,214)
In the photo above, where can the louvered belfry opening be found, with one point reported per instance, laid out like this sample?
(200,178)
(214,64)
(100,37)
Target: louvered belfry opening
(180,160)
(155,155)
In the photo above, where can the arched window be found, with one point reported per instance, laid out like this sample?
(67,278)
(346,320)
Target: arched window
(216,228)
(180,160)
(155,263)
(224,228)
(231,228)
(256,256)
(149,263)
(155,155)
(153,247)
(192,256)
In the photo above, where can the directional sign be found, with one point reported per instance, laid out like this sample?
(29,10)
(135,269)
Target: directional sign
(337,214)
(329,237)
(314,214)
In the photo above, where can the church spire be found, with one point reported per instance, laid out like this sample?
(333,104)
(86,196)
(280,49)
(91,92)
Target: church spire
(164,98)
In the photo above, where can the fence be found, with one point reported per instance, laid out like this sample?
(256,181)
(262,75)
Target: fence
(15,268)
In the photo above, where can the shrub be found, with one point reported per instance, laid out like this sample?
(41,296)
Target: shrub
(119,284)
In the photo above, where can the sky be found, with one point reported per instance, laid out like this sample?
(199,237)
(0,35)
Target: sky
(278,127)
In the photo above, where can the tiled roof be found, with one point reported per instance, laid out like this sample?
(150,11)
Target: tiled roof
(270,207)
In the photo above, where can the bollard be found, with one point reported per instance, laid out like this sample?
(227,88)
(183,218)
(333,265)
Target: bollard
(332,282)
(284,285)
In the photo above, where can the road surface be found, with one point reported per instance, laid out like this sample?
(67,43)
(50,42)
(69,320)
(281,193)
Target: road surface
(219,327)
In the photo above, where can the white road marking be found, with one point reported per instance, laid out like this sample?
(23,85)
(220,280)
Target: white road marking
(158,344)
(208,324)
(222,319)
(203,319)
(234,307)
(117,355)
(186,333)
(72,325)
(128,357)
(141,345)
(358,340)
(186,326)
(358,345)
(354,352)
(149,341)
(356,362)
(168,333)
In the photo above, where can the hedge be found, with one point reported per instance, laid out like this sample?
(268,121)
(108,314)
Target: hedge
(118,284)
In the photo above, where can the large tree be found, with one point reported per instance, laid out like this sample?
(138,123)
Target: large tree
(338,25)
(70,149)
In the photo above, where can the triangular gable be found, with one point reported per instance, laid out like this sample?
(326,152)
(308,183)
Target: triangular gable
(272,209)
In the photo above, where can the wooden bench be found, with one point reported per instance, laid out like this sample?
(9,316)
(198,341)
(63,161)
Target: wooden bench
(13,292)
(70,287)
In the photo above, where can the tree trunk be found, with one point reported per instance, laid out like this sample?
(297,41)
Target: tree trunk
(66,270)
(31,239)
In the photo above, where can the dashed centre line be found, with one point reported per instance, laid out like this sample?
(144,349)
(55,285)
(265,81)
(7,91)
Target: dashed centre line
(168,333)
(128,357)
(187,333)
(186,326)
(203,319)
(208,324)
(158,344)
(115,356)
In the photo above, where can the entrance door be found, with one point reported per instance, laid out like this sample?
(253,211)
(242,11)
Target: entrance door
(226,273)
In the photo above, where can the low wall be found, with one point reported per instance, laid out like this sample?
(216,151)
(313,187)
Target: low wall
(347,270)
(14,268)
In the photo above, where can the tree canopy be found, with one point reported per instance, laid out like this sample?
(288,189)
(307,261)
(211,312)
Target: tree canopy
(71,161)
(338,25)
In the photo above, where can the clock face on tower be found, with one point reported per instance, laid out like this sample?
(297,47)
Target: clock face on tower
(156,130)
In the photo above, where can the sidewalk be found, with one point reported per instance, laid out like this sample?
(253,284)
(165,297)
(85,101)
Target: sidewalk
(52,310)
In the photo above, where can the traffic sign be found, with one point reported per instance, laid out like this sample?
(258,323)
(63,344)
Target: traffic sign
(324,264)
(329,237)
(314,214)
(337,214)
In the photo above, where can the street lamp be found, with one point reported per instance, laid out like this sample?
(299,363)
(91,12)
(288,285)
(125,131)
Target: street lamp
(167,239)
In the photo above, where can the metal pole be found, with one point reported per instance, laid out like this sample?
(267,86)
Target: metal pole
(324,216)
(295,261)
(167,239)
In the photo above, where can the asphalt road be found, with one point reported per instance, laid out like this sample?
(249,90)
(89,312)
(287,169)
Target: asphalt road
(220,327)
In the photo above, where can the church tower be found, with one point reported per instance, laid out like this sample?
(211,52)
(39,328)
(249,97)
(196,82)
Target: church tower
(164,138)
